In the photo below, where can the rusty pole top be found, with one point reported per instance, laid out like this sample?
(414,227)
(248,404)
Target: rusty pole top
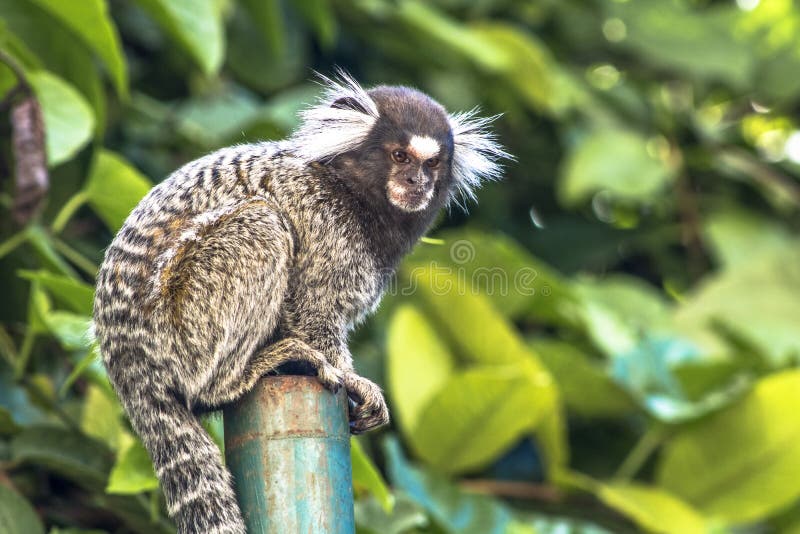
(287,444)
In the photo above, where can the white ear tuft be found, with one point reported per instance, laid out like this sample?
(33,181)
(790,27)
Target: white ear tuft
(339,121)
(475,154)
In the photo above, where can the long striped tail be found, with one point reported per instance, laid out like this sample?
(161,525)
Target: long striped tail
(197,486)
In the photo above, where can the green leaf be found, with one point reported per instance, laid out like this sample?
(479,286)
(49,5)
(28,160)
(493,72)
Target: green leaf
(367,477)
(517,283)
(70,329)
(419,364)
(319,14)
(133,471)
(653,509)
(7,424)
(613,161)
(101,417)
(56,49)
(478,330)
(527,62)
(756,304)
(68,119)
(196,25)
(268,17)
(371,518)
(663,374)
(17,516)
(64,452)
(700,43)
(114,188)
(74,294)
(737,236)
(585,386)
(479,414)
(42,243)
(741,464)
(212,120)
(89,21)
(454,511)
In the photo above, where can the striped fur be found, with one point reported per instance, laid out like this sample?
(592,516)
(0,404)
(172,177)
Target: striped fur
(258,255)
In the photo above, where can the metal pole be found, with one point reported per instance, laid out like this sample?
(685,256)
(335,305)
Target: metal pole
(287,443)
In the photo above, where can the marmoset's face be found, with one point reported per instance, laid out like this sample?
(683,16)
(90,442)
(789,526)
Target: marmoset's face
(414,172)
(415,140)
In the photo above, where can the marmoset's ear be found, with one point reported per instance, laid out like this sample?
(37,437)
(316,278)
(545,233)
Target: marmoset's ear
(476,154)
(339,122)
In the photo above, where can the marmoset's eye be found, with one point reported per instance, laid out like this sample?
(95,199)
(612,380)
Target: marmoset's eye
(400,156)
(432,163)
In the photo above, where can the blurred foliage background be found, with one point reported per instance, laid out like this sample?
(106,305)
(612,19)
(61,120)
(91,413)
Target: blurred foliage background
(608,342)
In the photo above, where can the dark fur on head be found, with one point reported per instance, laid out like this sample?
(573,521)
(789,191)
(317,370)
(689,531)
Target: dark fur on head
(398,153)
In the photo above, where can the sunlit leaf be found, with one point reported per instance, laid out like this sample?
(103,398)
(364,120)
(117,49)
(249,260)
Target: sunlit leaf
(89,20)
(70,329)
(101,417)
(480,413)
(737,236)
(419,364)
(614,161)
(586,387)
(367,477)
(114,188)
(133,471)
(68,119)
(756,304)
(743,463)
(653,509)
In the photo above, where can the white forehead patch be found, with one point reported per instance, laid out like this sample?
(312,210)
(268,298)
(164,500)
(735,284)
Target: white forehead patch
(423,147)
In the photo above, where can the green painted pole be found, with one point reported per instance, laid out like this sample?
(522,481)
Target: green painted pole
(287,444)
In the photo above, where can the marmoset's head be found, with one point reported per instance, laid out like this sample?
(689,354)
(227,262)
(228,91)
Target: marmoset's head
(399,145)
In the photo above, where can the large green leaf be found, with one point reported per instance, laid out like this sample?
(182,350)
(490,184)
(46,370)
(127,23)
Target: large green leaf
(613,161)
(419,364)
(367,477)
(66,452)
(39,40)
(480,413)
(741,464)
(675,381)
(133,471)
(737,236)
(90,21)
(70,329)
(101,417)
(17,516)
(114,188)
(517,283)
(478,330)
(653,509)
(585,386)
(196,25)
(756,304)
(68,119)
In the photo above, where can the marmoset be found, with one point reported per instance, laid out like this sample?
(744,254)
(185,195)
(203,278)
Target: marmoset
(262,254)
